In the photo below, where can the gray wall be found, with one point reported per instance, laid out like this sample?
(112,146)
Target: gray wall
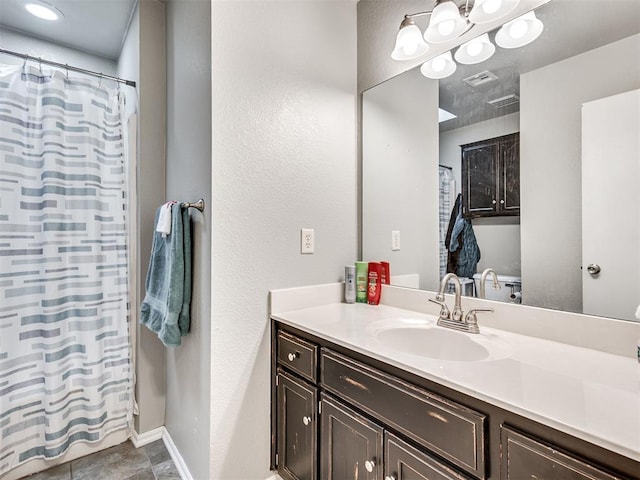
(400,175)
(498,238)
(188,179)
(551,100)
(284,158)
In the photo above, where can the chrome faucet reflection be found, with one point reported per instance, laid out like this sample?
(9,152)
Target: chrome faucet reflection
(454,319)
(483,279)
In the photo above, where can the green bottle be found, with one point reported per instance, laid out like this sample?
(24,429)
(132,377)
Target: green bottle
(362,277)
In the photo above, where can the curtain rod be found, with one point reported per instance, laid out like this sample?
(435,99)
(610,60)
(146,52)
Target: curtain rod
(131,83)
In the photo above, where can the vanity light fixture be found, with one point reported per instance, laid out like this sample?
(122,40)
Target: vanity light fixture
(519,32)
(475,51)
(43,10)
(449,19)
(439,67)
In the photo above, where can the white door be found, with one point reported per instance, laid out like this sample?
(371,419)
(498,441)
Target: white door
(611,205)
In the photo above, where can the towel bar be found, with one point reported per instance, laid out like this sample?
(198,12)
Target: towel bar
(199,205)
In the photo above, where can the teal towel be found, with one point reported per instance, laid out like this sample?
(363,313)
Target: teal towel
(165,308)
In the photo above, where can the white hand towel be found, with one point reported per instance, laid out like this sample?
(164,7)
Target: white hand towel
(164,220)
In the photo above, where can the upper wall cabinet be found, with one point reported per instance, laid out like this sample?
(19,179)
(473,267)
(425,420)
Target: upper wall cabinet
(491,177)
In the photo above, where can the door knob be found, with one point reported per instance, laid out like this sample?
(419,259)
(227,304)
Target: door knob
(593,269)
(306,420)
(292,356)
(369,465)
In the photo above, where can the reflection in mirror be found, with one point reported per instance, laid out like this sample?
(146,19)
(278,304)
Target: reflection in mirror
(413,169)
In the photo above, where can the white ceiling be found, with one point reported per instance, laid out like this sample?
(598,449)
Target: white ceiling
(94,26)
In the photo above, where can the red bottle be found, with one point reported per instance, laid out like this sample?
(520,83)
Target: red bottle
(385,276)
(375,284)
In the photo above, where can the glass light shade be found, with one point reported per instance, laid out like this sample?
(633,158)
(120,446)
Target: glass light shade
(409,43)
(475,51)
(43,10)
(440,67)
(485,11)
(445,24)
(519,32)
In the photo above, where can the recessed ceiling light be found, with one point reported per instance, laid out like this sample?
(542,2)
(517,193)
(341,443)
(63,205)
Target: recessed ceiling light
(43,10)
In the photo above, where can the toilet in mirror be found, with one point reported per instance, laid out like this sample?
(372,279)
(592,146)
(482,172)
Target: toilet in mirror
(519,169)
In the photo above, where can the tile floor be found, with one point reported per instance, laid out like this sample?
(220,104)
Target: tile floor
(122,462)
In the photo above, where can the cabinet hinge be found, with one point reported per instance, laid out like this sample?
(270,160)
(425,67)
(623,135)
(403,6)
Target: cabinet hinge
(277,459)
(320,408)
(277,380)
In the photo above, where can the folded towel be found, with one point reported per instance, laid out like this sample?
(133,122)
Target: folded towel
(165,308)
(163,225)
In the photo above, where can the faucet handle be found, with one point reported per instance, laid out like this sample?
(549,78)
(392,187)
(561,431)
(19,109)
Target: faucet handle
(471,315)
(444,310)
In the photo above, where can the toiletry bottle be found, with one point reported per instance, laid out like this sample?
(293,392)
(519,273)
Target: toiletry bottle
(350,283)
(385,275)
(361,281)
(375,286)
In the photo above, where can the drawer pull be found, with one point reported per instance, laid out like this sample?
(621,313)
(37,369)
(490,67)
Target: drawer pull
(355,383)
(306,420)
(438,417)
(369,465)
(293,356)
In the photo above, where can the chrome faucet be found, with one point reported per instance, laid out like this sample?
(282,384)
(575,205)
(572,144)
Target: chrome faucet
(455,318)
(483,279)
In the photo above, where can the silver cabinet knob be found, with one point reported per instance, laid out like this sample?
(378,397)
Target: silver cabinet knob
(501,202)
(593,269)
(292,356)
(493,202)
(369,465)
(306,420)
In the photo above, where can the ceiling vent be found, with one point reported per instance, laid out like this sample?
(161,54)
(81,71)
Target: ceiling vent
(505,101)
(480,79)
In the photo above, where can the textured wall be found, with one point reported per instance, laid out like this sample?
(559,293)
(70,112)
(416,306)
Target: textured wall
(551,101)
(189,178)
(284,157)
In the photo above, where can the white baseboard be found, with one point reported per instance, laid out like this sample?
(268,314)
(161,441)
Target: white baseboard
(142,439)
(179,462)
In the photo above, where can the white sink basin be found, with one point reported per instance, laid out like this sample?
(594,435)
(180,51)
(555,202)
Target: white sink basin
(430,341)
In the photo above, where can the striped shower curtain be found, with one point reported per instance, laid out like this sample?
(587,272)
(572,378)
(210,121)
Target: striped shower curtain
(65,360)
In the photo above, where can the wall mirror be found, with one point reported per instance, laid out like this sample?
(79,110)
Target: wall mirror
(588,51)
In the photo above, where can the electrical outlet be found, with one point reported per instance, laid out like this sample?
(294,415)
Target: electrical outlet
(306,240)
(395,240)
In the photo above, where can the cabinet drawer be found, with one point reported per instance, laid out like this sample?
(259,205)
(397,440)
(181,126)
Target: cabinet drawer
(453,431)
(524,457)
(404,462)
(298,355)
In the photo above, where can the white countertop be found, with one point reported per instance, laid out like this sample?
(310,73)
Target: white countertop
(586,393)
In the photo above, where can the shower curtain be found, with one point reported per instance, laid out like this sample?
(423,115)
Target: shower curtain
(447,192)
(65,359)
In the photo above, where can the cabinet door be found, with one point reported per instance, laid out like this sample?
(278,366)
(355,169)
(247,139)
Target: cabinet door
(297,429)
(509,168)
(350,445)
(479,177)
(404,462)
(526,458)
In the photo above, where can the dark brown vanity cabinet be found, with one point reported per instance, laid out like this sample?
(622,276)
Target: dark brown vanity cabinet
(491,177)
(340,415)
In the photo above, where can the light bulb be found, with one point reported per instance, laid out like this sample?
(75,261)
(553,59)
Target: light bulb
(491,6)
(446,27)
(518,29)
(410,48)
(474,48)
(438,64)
